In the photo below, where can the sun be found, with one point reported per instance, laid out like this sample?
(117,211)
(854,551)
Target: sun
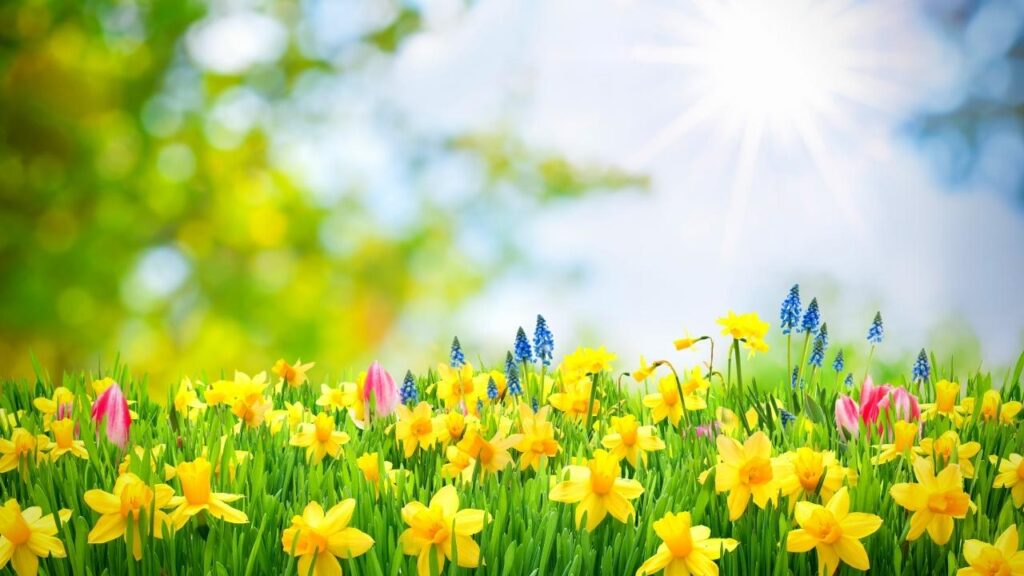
(775,68)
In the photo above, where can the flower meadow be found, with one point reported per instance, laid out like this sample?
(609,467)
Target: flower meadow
(538,463)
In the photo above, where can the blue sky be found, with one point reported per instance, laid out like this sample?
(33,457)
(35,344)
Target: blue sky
(860,217)
(778,137)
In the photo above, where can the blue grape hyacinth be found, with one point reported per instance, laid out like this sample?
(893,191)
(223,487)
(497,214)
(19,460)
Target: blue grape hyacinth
(820,345)
(786,416)
(456,359)
(876,332)
(543,341)
(848,382)
(922,368)
(839,363)
(789,315)
(492,389)
(512,376)
(522,347)
(812,318)
(409,394)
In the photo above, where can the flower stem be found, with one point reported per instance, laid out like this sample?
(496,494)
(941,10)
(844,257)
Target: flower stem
(803,358)
(867,369)
(739,369)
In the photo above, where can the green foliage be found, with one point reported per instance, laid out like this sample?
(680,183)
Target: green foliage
(120,168)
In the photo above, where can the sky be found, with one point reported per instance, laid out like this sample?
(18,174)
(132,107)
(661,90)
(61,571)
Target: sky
(776,139)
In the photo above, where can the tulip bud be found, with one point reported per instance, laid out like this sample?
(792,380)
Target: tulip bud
(847,415)
(111,410)
(382,387)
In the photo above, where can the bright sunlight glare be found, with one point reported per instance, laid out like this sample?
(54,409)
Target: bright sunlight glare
(770,68)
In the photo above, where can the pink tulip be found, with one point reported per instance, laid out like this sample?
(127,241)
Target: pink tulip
(873,401)
(847,415)
(904,405)
(382,387)
(112,407)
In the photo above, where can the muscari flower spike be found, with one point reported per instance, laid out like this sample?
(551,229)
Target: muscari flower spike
(543,341)
(792,379)
(492,390)
(535,405)
(790,312)
(839,362)
(786,416)
(820,345)
(848,382)
(409,393)
(456,358)
(522,347)
(812,317)
(922,369)
(512,375)
(876,332)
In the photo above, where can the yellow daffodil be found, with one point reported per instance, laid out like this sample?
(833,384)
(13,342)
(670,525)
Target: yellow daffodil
(904,437)
(320,438)
(746,327)
(993,409)
(746,470)
(685,549)
(834,532)
(1011,475)
(100,386)
(319,539)
(665,403)
(186,400)
(481,380)
(631,441)
(695,388)
(64,440)
(538,437)
(27,535)
(643,372)
(219,392)
(234,458)
(492,455)
(598,489)
(457,388)
(332,398)
(294,414)
(371,466)
(9,420)
(585,361)
(197,496)
(934,500)
(250,405)
(459,464)
(443,530)
(685,342)
(415,428)
(20,447)
(945,405)
(48,407)
(294,375)
(451,426)
(945,446)
(574,399)
(131,496)
(999,559)
(801,471)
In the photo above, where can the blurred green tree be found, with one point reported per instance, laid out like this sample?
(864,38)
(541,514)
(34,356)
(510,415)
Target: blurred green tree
(155,208)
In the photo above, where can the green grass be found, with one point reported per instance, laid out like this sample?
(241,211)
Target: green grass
(528,533)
